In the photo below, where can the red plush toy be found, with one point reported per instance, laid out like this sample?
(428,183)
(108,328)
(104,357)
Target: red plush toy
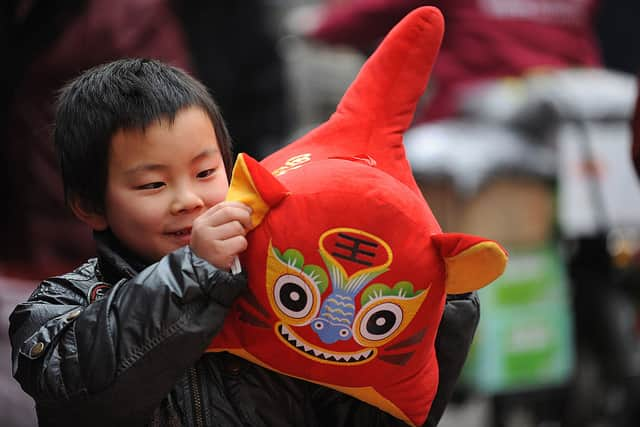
(348,269)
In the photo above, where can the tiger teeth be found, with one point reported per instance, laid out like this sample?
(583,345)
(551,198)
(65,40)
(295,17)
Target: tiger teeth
(322,354)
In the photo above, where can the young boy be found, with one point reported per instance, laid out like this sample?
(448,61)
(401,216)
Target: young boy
(145,158)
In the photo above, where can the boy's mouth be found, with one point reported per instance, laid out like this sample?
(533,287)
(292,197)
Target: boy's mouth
(181,233)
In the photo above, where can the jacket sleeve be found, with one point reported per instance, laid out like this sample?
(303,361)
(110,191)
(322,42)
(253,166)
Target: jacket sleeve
(117,357)
(453,341)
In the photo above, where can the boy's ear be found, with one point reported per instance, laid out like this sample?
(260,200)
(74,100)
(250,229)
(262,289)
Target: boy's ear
(93,219)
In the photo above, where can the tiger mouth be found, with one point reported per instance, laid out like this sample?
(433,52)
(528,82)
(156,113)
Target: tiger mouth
(325,356)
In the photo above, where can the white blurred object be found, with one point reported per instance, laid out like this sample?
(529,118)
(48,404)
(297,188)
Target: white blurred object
(572,125)
(570,94)
(470,152)
(585,93)
(300,20)
(318,75)
(236,268)
(597,187)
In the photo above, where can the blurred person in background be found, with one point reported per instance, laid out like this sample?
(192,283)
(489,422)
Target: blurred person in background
(484,39)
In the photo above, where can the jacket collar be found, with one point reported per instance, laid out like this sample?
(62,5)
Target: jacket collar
(114,260)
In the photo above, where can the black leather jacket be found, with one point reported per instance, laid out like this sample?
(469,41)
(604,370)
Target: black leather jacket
(106,345)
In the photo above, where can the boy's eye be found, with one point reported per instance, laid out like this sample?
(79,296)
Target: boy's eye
(206,173)
(150,186)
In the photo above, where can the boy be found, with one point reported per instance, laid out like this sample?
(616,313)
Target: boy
(144,155)
(145,158)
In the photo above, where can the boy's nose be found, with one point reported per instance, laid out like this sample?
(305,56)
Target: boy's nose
(186,201)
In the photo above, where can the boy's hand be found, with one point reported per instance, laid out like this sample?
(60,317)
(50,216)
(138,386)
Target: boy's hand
(218,235)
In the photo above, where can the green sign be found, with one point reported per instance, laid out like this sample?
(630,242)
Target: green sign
(525,338)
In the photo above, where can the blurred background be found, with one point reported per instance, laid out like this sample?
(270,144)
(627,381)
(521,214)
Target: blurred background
(524,135)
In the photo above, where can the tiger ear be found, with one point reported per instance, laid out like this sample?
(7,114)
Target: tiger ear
(471,262)
(256,187)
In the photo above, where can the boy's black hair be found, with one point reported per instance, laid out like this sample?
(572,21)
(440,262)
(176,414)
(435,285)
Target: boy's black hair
(121,95)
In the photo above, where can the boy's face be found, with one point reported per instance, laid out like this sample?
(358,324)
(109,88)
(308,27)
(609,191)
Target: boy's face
(160,180)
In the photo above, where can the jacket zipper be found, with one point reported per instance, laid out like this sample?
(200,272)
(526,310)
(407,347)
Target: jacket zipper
(194,386)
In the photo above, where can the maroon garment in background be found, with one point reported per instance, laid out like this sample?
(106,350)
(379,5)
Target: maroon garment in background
(42,237)
(484,39)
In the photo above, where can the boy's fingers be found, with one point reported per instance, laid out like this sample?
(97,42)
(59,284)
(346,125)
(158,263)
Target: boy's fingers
(218,234)
(229,205)
(219,215)
(233,246)
(237,204)
(245,221)
(227,230)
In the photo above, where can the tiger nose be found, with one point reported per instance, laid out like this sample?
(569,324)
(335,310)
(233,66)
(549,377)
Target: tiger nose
(330,333)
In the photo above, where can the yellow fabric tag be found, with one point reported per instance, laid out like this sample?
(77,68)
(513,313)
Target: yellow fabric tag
(242,189)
